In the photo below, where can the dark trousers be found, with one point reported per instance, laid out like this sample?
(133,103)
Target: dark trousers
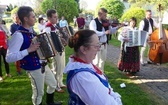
(3,54)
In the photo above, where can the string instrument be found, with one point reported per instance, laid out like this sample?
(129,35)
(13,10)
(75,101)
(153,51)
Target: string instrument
(118,24)
(106,24)
(158,52)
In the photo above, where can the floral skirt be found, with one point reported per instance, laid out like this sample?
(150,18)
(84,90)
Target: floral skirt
(129,60)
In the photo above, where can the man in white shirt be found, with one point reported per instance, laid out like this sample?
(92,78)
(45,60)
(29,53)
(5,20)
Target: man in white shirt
(147,24)
(23,49)
(58,62)
(97,26)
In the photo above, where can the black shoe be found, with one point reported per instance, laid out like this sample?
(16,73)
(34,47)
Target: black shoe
(150,62)
(40,103)
(50,100)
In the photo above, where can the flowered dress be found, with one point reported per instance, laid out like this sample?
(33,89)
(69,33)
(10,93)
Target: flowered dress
(129,60)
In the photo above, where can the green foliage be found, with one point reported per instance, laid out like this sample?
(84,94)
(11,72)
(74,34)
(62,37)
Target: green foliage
(36,8)
(8,20)
(66,8)
(137,12)
(88,12)
(142,3)
(46,4)
(14,11)
(115,8)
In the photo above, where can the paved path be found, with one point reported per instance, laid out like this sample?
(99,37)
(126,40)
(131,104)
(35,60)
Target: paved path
(154,79)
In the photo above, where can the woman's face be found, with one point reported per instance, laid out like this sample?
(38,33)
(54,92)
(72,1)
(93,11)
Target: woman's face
(92,48)
(132,23)
(41,21)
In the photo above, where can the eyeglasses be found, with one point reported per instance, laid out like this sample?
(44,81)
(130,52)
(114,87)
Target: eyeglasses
(96,46)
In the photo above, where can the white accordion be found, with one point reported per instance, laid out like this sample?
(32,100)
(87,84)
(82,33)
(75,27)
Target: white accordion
(136,38)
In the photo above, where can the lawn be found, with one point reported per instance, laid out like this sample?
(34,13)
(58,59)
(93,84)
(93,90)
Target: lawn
(17,89)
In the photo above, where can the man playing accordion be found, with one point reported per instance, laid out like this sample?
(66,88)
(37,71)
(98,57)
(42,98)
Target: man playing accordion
(58,62)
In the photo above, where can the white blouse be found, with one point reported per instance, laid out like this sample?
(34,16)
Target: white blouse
(89,88)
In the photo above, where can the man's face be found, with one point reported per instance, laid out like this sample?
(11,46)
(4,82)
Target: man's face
(102,15)
(31,20)
(148,15)
(53,19)
(16,19)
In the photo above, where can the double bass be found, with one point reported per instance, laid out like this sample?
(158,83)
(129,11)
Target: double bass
(158,52)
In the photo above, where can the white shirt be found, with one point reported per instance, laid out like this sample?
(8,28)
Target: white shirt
(89,88)
(48,29)
(101,34)
(142,24)
(13,53)
(41,27)
(87,22)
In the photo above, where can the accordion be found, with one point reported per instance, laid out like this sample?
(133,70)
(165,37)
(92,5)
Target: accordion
(60,38)
(136,38)
(46,49)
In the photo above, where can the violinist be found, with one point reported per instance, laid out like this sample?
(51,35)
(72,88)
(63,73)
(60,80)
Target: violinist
(97,25)
(147,24)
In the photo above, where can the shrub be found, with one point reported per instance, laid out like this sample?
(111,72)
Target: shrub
(137,12)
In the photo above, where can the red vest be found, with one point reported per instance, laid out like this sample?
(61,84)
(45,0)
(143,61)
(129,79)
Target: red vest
(3,39)
(51,26)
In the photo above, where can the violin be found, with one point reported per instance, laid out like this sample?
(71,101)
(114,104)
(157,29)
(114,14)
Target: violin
(118,24)
(105,24)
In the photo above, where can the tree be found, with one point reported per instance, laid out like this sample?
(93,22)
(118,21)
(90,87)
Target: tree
(66,8)
(115,8)
(142,3)
(36,8)
(10,7)
(137,12)
(14,11)
(77,1)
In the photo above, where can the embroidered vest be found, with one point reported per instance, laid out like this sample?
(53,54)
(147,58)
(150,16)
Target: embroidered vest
(51,26)
(146,26)
(98,25)
(31,61)
(74,98)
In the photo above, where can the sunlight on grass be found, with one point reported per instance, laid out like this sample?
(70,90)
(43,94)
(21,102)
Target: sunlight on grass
(17,89)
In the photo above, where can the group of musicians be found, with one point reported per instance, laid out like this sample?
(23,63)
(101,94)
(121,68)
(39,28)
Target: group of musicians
(21,48)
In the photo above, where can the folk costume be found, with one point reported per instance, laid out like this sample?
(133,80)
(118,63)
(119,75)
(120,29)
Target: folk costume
(58,62)
(30,62)
(129,60)
(87,85)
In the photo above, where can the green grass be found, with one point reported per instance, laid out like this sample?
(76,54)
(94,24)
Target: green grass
(17,89)
(115,42)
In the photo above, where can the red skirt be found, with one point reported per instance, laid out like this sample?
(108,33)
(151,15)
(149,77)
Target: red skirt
(129,60)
